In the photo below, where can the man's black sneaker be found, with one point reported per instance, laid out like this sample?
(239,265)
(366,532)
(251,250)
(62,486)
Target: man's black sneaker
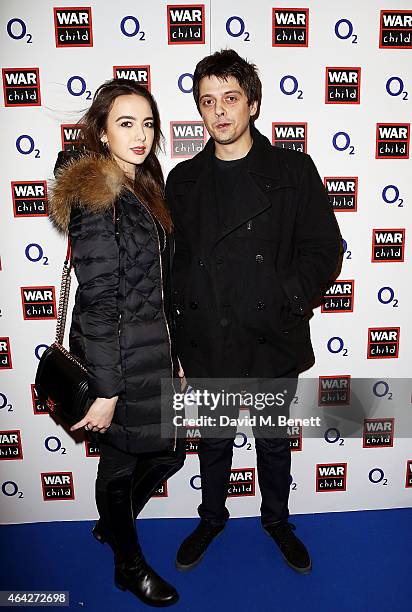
(193,548)
(292,549)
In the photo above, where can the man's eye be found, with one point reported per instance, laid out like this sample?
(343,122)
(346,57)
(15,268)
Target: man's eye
(207,102)
(232,98)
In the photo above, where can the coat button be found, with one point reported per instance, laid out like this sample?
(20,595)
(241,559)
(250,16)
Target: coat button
(224,322)
(200,263)
(193,343)
(194,305)
(261,340)
(260,305)
(267,187)
(259,258)
(245,373)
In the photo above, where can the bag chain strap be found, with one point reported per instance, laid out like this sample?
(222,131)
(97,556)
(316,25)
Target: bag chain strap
(64,297)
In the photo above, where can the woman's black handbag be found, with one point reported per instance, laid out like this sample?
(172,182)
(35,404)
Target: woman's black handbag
(61,379)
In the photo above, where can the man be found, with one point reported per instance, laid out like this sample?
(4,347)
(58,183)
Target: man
(256,243)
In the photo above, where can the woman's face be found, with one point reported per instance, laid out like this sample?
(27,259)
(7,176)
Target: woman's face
(129,132)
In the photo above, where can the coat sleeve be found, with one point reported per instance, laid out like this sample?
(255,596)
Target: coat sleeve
(95,255)
(317,243)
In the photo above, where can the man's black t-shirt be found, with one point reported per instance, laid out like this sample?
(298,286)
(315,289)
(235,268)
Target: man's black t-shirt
(229,179)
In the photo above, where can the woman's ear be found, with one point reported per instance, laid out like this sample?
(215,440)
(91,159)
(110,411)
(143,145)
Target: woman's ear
(103,139)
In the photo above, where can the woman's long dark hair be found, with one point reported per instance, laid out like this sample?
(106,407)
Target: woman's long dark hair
(148,184)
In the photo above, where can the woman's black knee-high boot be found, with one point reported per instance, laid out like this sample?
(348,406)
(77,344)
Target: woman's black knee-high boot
(131,570)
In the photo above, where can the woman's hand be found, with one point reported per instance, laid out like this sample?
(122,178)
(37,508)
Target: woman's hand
(99,416)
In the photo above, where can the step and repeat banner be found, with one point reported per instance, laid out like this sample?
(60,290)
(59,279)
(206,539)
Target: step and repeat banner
(337,84)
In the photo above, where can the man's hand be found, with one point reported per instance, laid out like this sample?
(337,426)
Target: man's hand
(99,416)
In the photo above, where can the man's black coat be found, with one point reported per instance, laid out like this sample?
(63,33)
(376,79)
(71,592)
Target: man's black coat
(243,293)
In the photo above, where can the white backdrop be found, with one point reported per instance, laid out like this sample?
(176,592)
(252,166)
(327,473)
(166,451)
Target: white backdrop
(47,86)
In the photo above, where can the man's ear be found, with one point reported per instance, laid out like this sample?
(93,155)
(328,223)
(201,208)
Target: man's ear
(253,108)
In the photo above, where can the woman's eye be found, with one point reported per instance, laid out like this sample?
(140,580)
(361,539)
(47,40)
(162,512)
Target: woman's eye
(126,124)
(149,124)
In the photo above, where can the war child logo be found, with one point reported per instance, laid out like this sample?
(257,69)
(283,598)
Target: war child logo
(241,482)
(38,406)
(290,136)
(29,198)
(408,474)
(339,297)
(73,26)
(334,390)
(294,435)
(139,74)
(192,440)
(10,445)
(342,85)
(383,342)
(187,138)
(378,433)
(290,27)
(21,87)
(395,30)
(342,192)
(5,354)
(38,303)
(71,137)
(186,24)
(331,477)
(92,449)
(388,245)
(392,140)
(161,491)
(57,485)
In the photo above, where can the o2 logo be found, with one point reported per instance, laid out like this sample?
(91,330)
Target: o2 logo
(289,86)
(16,29)
(241,441)
(382,389)
(53,445)
(34,253)
(39,350)
(196,482)
(183,83)
(377,476)
(395,87)
(4,403)
(235,26)
(390,195)
(336,345)
(341,142)
(332,435)
(344,31)
(292,484)
(130,27)
(76,86)
(9,488)
(25,146)
(386,295)
(346,252)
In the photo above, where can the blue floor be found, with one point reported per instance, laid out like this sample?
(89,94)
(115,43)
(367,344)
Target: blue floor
(361,562)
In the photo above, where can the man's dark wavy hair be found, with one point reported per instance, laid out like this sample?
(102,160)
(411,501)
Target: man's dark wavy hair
(227,63)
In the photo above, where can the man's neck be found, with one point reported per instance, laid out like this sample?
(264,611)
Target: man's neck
(234,150)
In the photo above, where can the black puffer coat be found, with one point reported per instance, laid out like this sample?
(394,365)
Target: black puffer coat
(119,327)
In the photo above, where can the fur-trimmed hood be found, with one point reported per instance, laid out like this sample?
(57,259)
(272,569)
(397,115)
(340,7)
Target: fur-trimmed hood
(91,182)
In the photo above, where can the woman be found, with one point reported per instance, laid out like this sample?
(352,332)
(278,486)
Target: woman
(110,201)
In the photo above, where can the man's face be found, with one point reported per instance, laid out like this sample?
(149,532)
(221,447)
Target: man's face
(225,109)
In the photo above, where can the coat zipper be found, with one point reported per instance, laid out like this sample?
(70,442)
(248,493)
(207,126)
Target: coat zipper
(163,310)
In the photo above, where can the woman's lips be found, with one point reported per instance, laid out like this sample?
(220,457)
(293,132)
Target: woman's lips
(138,150)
